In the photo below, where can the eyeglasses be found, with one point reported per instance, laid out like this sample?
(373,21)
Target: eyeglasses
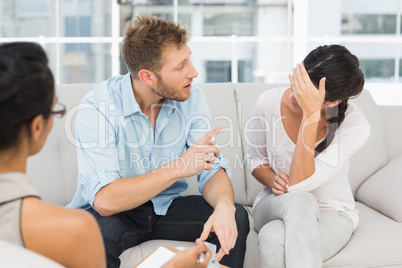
(59,110)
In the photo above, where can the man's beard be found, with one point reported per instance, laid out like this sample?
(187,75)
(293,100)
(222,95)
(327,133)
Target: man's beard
(166,91)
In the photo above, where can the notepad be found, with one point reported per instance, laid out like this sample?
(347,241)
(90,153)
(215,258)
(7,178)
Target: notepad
(158,258)
(162,255)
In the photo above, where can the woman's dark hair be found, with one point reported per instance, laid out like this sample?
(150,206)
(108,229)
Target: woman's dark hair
(344,80)
(26,89)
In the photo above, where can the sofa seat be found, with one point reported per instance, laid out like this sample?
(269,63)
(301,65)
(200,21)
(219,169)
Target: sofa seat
(376,242)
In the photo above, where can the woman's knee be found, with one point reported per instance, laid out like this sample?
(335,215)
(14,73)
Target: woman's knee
(303,202)
(272,234)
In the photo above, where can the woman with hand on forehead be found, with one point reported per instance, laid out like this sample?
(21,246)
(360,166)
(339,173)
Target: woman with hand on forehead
(306,212)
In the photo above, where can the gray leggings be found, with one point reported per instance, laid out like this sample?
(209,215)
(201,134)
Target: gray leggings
(293,232)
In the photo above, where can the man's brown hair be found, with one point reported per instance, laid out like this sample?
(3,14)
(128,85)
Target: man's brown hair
(145,38)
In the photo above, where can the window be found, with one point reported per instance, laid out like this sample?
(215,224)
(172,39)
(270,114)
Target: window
(32,9)
(26,18)
(221,71)
(218,71)
(264,38)
(223,24)
(78,27)
(368,24)
(377,70)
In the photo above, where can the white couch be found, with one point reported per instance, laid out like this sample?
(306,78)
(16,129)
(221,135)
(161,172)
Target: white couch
(13,256)
(375,174)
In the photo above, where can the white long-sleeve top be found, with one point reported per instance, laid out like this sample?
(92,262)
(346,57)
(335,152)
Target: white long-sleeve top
(270,144)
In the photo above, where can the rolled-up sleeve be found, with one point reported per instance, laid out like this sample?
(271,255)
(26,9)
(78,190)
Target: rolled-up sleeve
(97,153)
(205,175)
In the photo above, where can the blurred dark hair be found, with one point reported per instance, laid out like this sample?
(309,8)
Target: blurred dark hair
(344,80)
(26,88)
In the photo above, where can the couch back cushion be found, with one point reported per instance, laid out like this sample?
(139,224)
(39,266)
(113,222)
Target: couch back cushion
(373,155)
(393,130)
(54,169)
(72,95)
(246,97)
(222,106)
(45,168)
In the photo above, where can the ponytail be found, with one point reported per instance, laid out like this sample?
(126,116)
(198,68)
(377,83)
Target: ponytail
(335,116)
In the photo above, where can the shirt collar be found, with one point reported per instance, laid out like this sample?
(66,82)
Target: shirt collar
(170,106)
(130,105)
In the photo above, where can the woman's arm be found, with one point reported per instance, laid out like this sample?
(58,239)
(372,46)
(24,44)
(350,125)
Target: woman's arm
(68,236)
(310,100)
(277,182)
(264,174)
(353,134)
(257,157)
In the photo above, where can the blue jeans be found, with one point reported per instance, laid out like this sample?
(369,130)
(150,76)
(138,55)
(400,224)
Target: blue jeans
(184,221)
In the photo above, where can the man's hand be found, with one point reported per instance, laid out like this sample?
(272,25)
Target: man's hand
(223,223)
(198,158)
(188,258)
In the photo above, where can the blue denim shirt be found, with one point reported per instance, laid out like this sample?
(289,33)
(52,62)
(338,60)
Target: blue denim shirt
(116,140)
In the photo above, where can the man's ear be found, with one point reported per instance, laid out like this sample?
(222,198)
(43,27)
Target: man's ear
(147,77)
(333,103)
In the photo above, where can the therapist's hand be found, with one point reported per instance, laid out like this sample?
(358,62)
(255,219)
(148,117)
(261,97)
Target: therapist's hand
(188,257)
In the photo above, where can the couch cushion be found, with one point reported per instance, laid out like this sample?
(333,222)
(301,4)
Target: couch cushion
(246,96)
(375,243)
(222,106)
(372,156)
(45,168)
(393,130)
(54,169)
(70,95)
(378,191)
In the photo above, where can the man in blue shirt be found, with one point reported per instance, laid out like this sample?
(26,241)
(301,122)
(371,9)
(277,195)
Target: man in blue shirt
(132,132)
